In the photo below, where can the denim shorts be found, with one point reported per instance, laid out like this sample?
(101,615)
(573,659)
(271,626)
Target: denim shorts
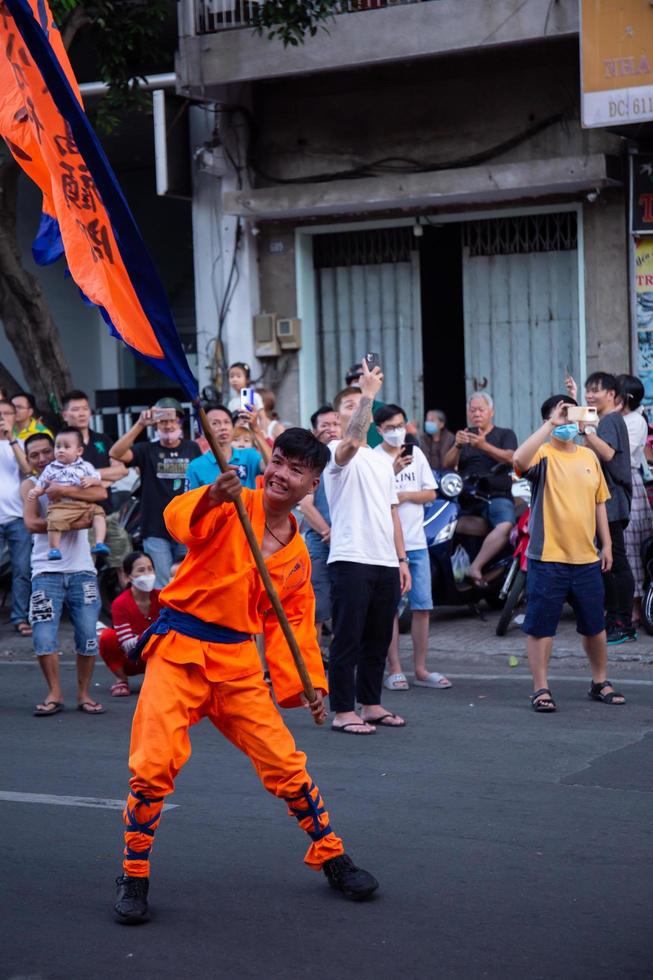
(549,584)
(419,565)
(78,591)
(500,510)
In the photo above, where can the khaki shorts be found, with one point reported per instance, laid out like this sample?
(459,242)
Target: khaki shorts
(61,515)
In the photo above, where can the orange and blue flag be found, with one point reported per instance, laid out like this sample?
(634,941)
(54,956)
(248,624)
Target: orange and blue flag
(85,213)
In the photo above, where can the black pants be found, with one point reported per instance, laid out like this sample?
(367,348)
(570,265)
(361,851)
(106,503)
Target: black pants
(365,599)
(619,582)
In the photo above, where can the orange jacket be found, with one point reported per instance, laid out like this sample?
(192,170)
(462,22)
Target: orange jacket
(218,582)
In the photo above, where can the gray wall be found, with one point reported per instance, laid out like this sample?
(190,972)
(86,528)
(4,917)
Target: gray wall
(442,110)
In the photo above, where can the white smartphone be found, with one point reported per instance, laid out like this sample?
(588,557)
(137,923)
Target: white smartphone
(247,398)
(582,413)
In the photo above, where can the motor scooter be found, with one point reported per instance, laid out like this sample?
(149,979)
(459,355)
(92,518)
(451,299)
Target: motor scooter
(647,599)
(446,527)
(513,590)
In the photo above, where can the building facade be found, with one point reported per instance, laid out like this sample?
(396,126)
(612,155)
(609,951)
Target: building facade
(413,181)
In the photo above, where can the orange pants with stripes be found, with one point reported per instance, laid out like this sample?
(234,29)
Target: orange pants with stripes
(176,696)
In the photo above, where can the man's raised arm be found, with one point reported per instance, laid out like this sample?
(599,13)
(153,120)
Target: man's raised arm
(356,432)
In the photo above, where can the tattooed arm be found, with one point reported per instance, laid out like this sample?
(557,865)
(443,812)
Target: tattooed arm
(356,429)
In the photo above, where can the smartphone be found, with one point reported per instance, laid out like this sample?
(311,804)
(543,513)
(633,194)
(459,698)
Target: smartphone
(163,414)
(582,413)
(372,361)
(407,449)
(247,398)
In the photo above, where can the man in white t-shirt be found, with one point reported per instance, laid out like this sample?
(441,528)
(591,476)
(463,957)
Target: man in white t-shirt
(73,584)
(367,564)
(12,528)
(415,486)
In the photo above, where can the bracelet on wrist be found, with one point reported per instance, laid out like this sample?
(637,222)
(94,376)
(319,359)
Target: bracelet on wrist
(404,559)
(13,442)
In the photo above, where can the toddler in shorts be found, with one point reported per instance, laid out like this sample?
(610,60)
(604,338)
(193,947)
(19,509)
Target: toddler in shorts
(69,469)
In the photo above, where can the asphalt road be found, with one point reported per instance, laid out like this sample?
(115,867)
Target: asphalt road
(508,844)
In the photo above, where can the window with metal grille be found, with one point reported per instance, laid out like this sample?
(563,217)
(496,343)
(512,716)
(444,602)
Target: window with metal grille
(523,234)
(372,247)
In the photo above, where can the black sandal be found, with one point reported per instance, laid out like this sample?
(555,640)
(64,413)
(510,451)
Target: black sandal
(596,693)
(545,705)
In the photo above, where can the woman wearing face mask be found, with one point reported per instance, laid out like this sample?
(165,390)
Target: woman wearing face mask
(437,440)
(132,612)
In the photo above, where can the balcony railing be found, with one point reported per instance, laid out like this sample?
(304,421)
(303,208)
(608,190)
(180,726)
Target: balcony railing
(210,16)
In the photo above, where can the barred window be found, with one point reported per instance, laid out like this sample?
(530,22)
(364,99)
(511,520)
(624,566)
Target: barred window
(523,234)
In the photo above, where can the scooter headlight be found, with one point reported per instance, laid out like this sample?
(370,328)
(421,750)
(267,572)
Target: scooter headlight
(451,485)
(446,533)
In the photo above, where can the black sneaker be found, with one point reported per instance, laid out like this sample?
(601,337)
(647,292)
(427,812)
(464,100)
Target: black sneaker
(131,899)
(616,634)
(353,882)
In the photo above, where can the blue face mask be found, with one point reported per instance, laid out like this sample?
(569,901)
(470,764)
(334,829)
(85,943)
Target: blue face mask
(566,432)
(431,428)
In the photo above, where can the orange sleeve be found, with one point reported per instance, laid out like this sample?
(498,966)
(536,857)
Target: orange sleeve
(300,610)
(186,521)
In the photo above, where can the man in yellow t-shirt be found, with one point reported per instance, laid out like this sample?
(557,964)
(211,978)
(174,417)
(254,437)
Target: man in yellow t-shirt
(567,511)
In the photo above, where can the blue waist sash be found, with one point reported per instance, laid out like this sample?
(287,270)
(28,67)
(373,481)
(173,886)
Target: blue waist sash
(187,625)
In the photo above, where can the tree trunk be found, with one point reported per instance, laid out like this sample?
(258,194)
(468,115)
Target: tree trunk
(7,381)
(24,311)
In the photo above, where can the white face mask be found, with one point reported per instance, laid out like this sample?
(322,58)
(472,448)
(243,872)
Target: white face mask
(144,582)
(395,438)
(169,437)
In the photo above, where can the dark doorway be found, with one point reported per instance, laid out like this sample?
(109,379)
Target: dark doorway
(443,344)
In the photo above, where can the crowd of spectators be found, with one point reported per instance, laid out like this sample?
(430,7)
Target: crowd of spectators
(363,524)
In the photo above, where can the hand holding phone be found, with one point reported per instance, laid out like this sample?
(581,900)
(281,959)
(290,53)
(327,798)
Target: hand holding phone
(371,379)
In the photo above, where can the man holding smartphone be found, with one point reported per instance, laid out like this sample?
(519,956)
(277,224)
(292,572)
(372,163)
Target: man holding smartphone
(162,466)
(367,562)
(415,486)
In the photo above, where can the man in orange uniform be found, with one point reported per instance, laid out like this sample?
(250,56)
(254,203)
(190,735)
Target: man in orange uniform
(202,661)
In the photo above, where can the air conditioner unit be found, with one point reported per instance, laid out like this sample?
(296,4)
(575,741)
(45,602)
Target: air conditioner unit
(265,335)
(289,333)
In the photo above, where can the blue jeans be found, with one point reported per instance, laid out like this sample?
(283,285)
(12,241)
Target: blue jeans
(19,542)
(163,553)
(79,592)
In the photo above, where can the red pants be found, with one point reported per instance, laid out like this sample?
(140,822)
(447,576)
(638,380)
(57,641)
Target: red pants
(115,657)
(174,697)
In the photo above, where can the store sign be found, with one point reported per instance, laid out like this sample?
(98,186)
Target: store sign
(644,293)
(641,184)
(616,62)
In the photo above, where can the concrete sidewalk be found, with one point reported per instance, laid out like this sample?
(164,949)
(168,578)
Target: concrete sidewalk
(456,636)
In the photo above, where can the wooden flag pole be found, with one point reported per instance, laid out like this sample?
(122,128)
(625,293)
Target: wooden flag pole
(259,560)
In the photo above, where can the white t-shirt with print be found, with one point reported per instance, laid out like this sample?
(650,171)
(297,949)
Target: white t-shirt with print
(11,506)
(361,495)
(637,436)
(417,476)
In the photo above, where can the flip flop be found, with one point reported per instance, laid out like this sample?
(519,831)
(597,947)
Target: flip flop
(45,712)
(396,682)
(346,728)
(383,723)
(86,707)
(119,690)
(435,680)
